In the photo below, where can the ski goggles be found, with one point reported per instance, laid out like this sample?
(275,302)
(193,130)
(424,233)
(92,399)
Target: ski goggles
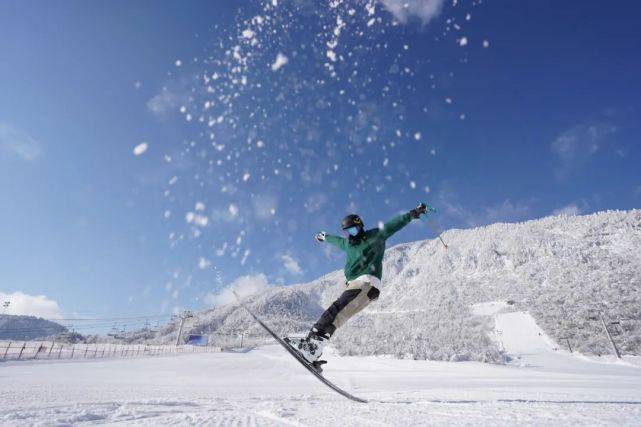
(352,231)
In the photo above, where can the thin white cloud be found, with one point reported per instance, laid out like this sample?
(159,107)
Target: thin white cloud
(29,305)
(265,206)
(244,286)
(576,146)
(448,202)
(571,209)
(507,211)
(18,143)
(291,265)
(404,10)
(315,202)
(225,214)
(165,102)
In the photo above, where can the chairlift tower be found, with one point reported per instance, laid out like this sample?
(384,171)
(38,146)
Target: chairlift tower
(597,315)
(184,316)
(607,331)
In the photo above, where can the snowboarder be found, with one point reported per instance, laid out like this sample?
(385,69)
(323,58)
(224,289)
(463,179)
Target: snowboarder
(363,272)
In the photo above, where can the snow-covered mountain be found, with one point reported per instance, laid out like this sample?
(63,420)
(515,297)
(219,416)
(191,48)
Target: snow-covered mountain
(27,327)
(565,271)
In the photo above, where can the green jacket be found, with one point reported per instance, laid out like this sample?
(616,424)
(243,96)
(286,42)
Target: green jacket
(365,254)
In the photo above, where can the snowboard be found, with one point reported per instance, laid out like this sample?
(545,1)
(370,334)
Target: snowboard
(300,358)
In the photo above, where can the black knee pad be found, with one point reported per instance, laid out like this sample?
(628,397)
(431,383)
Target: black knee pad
(373,294)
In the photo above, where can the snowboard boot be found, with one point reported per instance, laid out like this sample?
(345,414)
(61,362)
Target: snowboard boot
(310,347)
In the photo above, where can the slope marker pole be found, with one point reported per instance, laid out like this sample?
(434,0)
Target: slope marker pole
(436,230)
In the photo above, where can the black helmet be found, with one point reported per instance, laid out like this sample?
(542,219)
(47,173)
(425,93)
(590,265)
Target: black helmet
(351,220)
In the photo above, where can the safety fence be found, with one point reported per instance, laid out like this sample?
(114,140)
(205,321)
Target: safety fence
(239,340)
(34,350)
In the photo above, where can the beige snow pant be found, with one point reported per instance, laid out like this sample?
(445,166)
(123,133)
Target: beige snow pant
(355,298)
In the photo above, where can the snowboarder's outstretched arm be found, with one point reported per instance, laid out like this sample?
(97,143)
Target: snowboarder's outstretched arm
(339,242)
(395,224)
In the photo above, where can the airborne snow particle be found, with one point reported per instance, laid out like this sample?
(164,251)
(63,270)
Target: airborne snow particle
(140,148)
(448,100)
(246,177)
(433,152)
(427,189)
(463,41)
(248,34)
(246,254)
(200,206)
(233,209)
(203,263)
(279,62)
(486,44)
(196,219)
(413,185)
(417,136)
(178,63)
(260,144)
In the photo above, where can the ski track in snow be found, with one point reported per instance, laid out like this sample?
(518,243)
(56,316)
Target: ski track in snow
(266,387)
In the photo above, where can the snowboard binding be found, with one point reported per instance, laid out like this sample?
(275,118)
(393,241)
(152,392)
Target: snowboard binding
(310,353)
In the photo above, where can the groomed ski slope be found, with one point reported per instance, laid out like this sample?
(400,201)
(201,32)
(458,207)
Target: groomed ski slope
(267,387)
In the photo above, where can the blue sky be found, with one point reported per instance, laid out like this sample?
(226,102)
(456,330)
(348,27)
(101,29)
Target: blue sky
(490,111)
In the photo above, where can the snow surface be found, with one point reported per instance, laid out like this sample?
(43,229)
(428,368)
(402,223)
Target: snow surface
(520,334)
(266,386)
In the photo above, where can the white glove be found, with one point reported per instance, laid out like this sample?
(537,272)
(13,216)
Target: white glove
(321,236)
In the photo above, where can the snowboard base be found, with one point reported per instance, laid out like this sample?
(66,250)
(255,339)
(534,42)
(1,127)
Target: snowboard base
(300,358)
